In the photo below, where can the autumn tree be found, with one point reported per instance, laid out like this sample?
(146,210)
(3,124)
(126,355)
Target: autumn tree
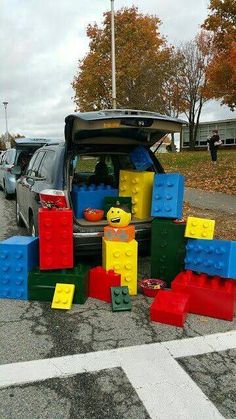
(11,139)
(142,64)
(191,80)
(221,72)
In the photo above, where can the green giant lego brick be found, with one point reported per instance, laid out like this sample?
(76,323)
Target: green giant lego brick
(167,249)
(120,299)
(110,201)
(41,284)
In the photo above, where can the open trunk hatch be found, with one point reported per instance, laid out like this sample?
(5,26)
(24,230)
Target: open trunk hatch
(119,127)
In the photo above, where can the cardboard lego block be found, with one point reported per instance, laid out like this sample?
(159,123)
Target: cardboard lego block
(199,228)
(55,238)
(170,307)
(168,195)
(122,257)
(18,255)
(208,295)
(121,234)
(120,299)
(167,249)
(138,185)
(41,284)
(100,283)
(90,197)
(213,257)
(63,296)
(141,158)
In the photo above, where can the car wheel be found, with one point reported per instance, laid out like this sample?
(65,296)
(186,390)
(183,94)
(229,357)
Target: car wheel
(19,220)
(32,228)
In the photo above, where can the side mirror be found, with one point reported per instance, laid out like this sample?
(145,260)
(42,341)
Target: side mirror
(16,170)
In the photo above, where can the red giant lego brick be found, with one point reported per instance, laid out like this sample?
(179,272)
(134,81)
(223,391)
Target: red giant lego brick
(100,283)
(55,238)
(169,307)
(208,295)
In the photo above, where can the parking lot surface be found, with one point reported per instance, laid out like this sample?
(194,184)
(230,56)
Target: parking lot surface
(33,331)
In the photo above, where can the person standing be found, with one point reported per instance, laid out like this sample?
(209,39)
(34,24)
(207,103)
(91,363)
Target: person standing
(213,142)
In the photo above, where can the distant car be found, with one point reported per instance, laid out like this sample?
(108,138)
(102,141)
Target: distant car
(92,140)
(20,155)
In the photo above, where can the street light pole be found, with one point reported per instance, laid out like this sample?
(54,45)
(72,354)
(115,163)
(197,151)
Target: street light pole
(113,57)
(6,134)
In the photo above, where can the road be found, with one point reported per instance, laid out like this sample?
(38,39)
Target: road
(92,363)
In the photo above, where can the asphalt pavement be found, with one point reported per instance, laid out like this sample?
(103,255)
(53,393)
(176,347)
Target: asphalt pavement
(33,331)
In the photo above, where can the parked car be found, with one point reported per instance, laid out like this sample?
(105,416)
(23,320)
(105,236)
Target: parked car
(91,139)
(17,156)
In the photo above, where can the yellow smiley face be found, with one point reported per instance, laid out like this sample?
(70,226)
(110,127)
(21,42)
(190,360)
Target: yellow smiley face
(117,217)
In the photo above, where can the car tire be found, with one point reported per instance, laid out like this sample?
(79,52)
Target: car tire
(19,220)
(32,227)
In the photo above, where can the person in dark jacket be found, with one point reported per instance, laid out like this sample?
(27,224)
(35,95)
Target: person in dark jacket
(213,143)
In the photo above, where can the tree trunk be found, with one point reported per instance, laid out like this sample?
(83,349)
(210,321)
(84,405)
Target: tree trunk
(172,145)
(191,136)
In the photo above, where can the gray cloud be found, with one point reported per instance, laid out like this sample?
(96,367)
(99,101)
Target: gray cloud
(41,42)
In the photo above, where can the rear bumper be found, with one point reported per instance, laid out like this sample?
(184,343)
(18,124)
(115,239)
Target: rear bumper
(91,243)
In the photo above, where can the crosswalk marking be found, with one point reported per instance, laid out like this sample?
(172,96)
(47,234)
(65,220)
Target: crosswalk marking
(165,389)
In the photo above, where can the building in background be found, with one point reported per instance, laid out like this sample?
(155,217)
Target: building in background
(226,128)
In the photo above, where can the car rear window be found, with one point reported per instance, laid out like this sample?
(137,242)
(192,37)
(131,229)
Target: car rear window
(45,169)
(10,156)
(33,168)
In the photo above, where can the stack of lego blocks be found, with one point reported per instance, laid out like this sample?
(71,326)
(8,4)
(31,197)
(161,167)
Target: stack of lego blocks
(167,233)
(57,279)
(120,249)
(42,268)
(208,285)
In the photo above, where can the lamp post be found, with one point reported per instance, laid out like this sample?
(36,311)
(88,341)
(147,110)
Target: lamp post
(113,58)
(6,134)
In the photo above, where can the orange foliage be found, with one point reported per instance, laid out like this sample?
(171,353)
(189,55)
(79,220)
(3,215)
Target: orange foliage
(221,72)
(143,64)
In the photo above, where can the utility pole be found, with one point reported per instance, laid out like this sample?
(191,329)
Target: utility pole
(113,57)
(6,134)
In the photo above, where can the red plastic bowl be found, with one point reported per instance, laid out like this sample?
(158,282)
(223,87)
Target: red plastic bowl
(92,214)
(150,287)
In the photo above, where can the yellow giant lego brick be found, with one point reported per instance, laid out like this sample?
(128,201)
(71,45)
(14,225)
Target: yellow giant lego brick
(200,228)
(122,257)
(63,296)
(138,185)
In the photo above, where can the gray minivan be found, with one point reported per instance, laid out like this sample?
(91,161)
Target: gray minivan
(20,155)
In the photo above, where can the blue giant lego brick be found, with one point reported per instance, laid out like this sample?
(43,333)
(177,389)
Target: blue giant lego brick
(18,255)
(168,195)
(213,257)
(140,158)
(90,197)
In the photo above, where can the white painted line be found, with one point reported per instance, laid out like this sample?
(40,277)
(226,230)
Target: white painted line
(42,369)
(164,387)
(201,344)
(171,393)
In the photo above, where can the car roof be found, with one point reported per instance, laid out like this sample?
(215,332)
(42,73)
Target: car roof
(34,141)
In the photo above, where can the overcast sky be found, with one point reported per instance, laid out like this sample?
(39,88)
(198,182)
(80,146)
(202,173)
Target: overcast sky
(41,42)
